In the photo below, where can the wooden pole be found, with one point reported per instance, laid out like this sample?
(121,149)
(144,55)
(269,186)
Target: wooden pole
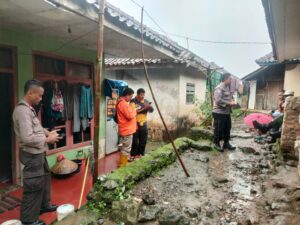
(84,181)
(154,99)
(209,74)
(209,77)
(97,88)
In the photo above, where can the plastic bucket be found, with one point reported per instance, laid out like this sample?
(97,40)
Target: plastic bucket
(64,210)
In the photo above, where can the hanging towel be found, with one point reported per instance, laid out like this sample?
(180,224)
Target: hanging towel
(86,105)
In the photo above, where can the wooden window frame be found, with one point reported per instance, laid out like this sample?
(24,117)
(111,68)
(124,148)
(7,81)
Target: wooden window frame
(68,123)
(186,93)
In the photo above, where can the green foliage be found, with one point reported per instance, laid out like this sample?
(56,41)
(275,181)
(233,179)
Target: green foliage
(206,109)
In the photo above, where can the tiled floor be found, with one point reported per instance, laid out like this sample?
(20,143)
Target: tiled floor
(66,190)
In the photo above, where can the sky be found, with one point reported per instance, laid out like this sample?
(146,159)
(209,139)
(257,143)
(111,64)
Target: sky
(213,20)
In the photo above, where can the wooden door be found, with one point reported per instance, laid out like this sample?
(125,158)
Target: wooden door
(273,87)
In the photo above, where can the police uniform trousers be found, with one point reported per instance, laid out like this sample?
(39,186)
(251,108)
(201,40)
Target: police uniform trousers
(36,185)
(222,127)
(139,140)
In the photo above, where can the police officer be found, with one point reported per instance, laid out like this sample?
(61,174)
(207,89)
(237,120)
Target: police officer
(221,113)
(33,141)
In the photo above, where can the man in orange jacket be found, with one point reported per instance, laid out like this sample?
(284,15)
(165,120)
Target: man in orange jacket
(126,115)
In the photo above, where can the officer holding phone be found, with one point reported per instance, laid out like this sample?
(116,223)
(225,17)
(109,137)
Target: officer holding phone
(139,141)
(33,141)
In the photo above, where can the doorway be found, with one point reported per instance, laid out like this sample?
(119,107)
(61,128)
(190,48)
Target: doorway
(112,137)
(6,98)
(8,93)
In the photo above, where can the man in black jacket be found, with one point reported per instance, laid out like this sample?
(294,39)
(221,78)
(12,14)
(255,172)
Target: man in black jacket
(140,137)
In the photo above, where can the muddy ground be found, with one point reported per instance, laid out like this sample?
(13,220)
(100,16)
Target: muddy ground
(247,186)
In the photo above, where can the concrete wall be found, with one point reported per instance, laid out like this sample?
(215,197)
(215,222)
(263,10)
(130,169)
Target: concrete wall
(165,83)
(25,43)
(292,78)
(194,77)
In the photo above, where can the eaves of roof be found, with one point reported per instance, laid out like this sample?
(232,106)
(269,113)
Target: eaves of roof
(270,25)
(269,60)
(255,73)
(127,62)
(120,18)
(181,54)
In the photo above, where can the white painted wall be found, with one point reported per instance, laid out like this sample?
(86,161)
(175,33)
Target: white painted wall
(165,84)
(292,78)
(252,94)
(197,78)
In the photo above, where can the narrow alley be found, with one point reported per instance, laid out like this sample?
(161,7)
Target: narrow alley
(250,185)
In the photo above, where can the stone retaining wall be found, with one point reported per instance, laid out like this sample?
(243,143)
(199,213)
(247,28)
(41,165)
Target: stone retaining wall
(297,149)
(291,124)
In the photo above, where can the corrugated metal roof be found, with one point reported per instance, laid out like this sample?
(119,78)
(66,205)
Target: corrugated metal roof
(112,12)
(111,62)
(181,54)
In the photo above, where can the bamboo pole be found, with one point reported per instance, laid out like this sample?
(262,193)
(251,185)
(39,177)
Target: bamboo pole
(84,182)
(154,99)
(97,88)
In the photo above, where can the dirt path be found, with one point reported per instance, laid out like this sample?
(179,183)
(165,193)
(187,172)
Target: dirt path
(238,187)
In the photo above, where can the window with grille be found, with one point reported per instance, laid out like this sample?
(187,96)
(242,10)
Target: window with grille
(190,93)
(67,73)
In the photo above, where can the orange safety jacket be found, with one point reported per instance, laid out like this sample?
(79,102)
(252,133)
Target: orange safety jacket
(126,117)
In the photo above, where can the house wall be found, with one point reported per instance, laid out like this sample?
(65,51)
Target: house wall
(292,78)
(169,86)
(25,43)
(193,76)
(268,83)
(165,84)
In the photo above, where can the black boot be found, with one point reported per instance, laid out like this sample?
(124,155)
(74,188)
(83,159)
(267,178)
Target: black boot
(217,146)
(263,128)
(228,146)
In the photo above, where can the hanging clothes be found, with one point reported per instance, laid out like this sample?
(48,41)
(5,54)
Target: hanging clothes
(86,105)
(234,85)
(49,116)
(76,107)
(67,92)
(57,102)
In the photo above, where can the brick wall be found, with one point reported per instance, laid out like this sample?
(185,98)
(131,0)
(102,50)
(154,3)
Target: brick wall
(291,124)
